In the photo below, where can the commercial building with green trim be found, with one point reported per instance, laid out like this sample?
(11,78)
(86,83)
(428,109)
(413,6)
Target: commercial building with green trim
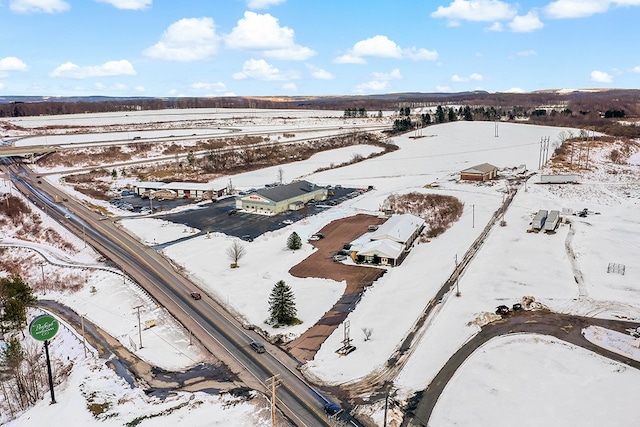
(282,198)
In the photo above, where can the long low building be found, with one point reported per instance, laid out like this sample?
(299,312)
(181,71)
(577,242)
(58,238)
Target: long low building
(282,198)
(182,189)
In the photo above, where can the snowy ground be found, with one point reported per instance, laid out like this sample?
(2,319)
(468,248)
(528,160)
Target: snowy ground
(512,264)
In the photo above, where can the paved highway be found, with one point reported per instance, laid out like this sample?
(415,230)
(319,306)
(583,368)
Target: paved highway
(222,335)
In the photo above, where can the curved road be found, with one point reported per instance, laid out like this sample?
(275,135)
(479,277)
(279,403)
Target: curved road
(218,331)
(564,327)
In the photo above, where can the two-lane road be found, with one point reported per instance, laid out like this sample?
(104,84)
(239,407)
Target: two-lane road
(209,322)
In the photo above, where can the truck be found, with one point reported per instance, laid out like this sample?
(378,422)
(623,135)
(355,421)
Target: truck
(539,220)
(551,223)
(559,179)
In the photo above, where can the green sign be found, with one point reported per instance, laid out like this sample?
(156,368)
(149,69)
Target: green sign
(44,327)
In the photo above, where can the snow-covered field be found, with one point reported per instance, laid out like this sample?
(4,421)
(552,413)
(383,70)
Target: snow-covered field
(506,372)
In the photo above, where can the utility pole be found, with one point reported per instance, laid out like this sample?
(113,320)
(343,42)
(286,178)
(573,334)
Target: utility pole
(386,405)
(139,324)
(44,287)
(473,216)
(457,277)
(273,382)
(84,341)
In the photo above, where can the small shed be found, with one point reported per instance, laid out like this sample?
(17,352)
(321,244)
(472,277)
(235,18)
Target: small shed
(483,172)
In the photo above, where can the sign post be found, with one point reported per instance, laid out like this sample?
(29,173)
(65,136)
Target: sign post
(43,328)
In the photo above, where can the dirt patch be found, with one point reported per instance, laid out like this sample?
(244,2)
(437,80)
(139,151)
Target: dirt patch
(321,264)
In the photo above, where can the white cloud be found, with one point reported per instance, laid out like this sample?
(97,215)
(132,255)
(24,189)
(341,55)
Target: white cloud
(475,11)
(526,53)
(189,39)
(139,89)
(560,9)
(382,47)
(11,63)
(2,86)
(601,77)
(35,6)
(290,87)
(636,69)
(379,46)
(515,90)
(526,23)
(319,73)
(349,59)
(471,77)
(259,69)
(378,82)
(263,32)
(263,4)
(294,53)
(575,8)
(421,54)
(128,4)
(217,87)
(110,68)
(256,31)
(496,27)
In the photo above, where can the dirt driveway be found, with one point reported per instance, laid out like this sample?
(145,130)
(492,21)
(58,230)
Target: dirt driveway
(320,264)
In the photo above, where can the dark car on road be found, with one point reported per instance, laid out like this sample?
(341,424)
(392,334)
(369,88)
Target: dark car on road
(332,408)
(257,347)
(195,295)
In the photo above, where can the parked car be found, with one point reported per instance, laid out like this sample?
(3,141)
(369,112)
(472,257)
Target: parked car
(339,257)
(287,222)
(502,310)
(257,346)
(196,295)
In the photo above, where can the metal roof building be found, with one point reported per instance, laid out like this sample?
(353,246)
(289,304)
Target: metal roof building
(482,172)
(391,242)
(274,200)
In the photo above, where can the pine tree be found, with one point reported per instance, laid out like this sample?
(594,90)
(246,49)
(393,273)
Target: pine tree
(15,296)
(294,241)
(282,306)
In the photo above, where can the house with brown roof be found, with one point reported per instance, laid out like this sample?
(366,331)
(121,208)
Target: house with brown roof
(483,172)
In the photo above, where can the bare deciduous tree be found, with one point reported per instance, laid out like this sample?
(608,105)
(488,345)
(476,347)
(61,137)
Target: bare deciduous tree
(235,252)
(367,333)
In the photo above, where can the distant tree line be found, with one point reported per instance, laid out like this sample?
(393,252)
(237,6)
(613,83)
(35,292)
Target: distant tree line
(355,112)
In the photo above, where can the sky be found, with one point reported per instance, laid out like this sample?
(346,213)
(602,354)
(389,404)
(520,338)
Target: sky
(507,377)
(297,47)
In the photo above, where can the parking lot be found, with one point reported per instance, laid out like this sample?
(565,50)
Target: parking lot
(218,217)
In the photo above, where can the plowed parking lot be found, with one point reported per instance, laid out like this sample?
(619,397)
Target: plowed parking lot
(321,264)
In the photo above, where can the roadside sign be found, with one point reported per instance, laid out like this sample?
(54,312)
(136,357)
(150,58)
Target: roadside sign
(44,327)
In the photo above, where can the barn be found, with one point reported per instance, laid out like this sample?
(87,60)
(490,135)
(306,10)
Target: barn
(483,172)
(281,198)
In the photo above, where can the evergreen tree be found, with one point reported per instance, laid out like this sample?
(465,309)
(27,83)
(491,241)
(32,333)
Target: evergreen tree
(452,115)
(15,296)
(439,114)
(466,114)
(426,119)
(282,306)
(294,241)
